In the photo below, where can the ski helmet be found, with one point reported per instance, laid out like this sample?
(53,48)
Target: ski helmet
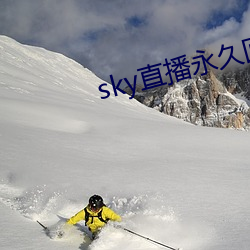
(95,202)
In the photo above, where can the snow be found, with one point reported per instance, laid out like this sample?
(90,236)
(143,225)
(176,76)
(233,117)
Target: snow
(242,98)
(182,185)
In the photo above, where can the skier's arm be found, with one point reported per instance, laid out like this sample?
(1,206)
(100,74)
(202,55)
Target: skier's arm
(77,217)
(110,214)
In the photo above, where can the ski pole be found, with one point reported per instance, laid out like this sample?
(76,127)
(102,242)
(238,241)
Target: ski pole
(45,228)
(146,238)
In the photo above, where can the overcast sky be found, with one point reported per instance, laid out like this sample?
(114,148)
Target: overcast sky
(119,36)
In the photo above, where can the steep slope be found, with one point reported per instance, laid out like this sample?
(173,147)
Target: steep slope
(183,185)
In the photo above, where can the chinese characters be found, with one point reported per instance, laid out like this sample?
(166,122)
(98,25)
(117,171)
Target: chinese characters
(178,66)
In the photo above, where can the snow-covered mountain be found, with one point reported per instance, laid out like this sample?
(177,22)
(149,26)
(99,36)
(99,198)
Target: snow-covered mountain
(237,81)
(183,185)
(203,100)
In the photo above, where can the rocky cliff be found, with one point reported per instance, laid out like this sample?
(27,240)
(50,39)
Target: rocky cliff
(237,81)
(202,101)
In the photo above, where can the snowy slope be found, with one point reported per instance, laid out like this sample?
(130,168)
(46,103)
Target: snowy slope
(176,183)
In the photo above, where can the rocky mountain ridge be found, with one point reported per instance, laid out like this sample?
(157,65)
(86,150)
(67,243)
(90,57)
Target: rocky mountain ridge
(203,100)
(237,81)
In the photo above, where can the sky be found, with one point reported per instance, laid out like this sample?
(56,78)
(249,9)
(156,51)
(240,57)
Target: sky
(118,37)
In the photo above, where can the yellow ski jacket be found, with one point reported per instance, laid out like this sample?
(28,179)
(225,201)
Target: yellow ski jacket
(94,223)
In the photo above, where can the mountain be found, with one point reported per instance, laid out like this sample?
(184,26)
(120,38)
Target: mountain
(204,100)
(237,81)
(182,185)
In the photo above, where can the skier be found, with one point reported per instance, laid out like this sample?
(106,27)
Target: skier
(95,214)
